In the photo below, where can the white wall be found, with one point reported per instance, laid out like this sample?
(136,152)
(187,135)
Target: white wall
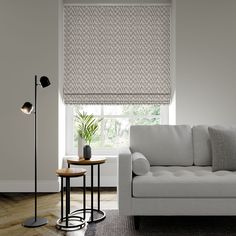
(28,47)
(205,61)
(61,105)
(29,42)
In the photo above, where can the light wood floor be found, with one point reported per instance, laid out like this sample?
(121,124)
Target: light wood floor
(16,207)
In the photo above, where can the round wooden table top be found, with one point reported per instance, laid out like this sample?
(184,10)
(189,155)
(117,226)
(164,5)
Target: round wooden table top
(92,161)
(71,172)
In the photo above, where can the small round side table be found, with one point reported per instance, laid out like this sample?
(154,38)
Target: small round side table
(94,161)
(70,222)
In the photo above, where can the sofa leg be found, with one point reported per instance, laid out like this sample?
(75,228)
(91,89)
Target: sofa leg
(136,222)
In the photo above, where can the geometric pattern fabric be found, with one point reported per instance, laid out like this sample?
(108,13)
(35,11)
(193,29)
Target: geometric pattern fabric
(117,54)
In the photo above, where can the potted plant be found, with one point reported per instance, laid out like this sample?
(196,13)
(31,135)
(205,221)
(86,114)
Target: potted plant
(87,126)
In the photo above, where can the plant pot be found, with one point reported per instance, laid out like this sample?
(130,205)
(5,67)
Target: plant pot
(81,143)
(87,152)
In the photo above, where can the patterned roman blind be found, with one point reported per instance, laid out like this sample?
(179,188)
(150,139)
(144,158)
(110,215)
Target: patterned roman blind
(117,54)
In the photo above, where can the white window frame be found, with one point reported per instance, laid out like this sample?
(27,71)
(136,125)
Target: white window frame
(164,120)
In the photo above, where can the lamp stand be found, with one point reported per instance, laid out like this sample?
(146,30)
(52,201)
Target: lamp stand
(35,221)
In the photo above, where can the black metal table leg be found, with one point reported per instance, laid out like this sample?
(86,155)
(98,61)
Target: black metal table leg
(98,187)
(69,222)
(91,192)
(84,196)
(100,215)
(62,193)
(67,199)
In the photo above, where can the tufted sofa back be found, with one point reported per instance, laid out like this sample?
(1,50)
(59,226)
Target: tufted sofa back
(163,144)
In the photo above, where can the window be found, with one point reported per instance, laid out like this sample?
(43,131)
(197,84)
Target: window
(116,54)
(113,130)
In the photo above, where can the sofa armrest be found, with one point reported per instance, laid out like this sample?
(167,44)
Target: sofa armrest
(124,181)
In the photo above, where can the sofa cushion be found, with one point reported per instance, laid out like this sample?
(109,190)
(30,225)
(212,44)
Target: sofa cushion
(201,146)
(179,181)
(140,164)
(223,142)
(163,144)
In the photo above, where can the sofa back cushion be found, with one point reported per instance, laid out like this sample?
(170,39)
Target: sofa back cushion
(163,144)
(201,146)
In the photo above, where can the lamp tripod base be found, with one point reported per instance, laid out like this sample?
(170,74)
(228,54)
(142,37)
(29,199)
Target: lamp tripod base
(32,223)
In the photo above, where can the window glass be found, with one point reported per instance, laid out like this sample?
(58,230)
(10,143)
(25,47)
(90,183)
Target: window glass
(113,131)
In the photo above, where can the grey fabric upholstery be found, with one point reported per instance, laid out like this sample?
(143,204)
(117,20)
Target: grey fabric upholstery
(201,146)
(182,181)
(140,164)
(125,181)
(163,144)
(223,142)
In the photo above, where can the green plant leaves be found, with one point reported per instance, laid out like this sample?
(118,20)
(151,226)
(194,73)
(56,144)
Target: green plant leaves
(87,125)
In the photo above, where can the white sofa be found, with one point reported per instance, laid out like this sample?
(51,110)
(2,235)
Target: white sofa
(180,180)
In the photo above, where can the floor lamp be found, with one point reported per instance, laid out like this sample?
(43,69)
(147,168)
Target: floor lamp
(27,108)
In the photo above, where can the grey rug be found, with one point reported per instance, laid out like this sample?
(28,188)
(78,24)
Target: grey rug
(115,225)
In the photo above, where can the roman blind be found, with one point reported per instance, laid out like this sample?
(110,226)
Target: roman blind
(117,54)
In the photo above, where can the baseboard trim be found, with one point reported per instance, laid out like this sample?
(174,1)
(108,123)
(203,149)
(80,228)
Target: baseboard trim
(28,186)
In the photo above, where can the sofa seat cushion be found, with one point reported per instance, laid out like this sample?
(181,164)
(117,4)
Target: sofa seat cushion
(179,181)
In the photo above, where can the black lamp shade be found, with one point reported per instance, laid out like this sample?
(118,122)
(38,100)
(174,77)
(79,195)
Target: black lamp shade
(27,108)
(44,81)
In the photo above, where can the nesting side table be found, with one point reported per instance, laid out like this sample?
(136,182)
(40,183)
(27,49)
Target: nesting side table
(71,222)
(96,214)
